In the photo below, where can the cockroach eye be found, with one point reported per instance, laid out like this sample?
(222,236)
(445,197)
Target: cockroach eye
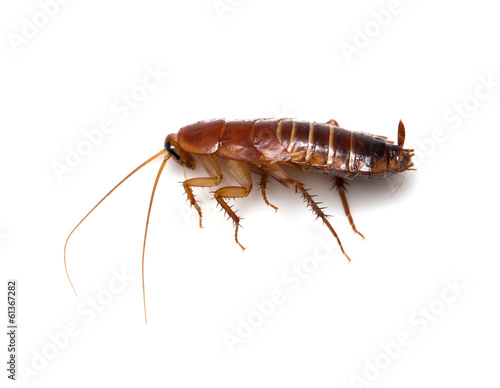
(169,149)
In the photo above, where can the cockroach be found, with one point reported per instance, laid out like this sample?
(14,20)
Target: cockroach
(265,146)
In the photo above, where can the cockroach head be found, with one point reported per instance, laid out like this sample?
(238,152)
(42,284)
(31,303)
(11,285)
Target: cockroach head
(182,157)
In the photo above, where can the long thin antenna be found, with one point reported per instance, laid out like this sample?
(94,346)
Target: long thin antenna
(98,203)
(146,231)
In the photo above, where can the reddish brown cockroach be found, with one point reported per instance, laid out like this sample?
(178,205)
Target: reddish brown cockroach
(264,146)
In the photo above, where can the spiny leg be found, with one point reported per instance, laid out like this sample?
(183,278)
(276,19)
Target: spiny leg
(241,172)
(198,182)
(231,192)
(263,183)
(212,166)
(340,184)
(281,176)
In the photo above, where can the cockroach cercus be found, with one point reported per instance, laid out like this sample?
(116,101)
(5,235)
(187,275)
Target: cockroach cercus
(265,146)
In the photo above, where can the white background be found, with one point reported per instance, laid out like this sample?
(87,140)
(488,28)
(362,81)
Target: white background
(422,62)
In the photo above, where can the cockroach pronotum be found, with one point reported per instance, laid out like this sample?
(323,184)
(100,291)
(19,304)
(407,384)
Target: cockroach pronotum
(264,146)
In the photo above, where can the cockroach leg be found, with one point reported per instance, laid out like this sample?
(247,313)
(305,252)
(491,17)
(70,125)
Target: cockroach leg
(212,167)
(231,192)
(241,172)
(263,183)
(198,182)
(340,185)
(281,176)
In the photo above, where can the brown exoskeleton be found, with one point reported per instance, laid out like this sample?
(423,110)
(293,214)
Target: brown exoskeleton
(265,146)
